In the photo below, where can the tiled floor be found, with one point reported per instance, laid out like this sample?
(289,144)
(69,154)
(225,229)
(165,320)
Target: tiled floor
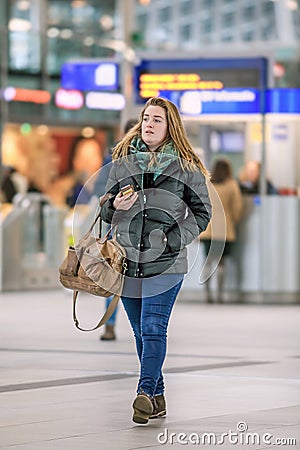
(232,375)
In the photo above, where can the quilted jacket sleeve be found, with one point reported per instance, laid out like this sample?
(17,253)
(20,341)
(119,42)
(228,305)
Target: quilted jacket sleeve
(112,188)
(197,216)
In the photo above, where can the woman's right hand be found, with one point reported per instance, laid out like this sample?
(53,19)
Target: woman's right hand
(125,202)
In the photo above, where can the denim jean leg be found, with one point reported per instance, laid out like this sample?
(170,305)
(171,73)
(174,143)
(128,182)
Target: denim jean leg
(133,307)
(132,302)
(160,385)
(112,319)
(155,315)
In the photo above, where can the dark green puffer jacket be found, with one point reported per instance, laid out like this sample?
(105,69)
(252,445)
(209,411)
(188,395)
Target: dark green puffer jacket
(169,214)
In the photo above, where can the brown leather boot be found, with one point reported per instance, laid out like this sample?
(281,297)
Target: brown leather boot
(109,334)
(159,406)
(142,408)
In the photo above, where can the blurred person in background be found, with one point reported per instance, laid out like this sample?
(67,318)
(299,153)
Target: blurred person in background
(99,190)
(86,158)
(249,179)
(230,196)
(30,163)
(12,183)
(14,166)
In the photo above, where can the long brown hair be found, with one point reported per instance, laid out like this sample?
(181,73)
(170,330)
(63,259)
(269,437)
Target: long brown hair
(221,171)
(176,133)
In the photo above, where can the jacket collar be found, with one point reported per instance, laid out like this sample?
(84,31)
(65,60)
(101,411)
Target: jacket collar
(135,171)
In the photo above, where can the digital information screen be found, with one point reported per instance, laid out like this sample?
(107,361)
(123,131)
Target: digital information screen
(90,76)
(224,101)
(153,76)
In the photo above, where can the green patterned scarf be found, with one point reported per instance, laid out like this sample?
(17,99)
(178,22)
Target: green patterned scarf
(155,162)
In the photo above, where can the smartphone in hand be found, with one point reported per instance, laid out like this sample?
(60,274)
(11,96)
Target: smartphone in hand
(127,190)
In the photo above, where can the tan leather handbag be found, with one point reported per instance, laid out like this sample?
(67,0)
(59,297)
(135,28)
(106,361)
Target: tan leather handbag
(97,266)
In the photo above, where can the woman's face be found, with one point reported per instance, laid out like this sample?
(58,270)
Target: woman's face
(154,126)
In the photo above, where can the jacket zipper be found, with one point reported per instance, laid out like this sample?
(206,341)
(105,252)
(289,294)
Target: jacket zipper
(143,218)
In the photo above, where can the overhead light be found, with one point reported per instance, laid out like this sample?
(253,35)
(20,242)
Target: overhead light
(88,132)
(69,99)
(66,33)
(106,22)
(9,93)
(26,95)
(117,45)
(292,5)
(78,3)
(89,41)
(42,130)
(23,5)
(53,32)
(25,128)
(105,100)
(19,25)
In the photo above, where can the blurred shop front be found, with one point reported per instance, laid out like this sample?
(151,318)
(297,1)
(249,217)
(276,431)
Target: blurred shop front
(230,110)
(60,83)
(40,150)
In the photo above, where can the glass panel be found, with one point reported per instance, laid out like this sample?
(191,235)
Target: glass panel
(207,26)
(90,16)
(228,20)
(296,21)
(165,14)
(84,29)
(208,4)
(267,33)
(24,51)
(227,38)
(142,21)
(187,7)
(248,35)
(23,39)
(61,50)
(185,32)
(249,13)
(79,29)
(268,8)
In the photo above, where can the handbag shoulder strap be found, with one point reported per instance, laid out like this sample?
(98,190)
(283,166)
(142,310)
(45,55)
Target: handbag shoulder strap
(105,237)
(111,307)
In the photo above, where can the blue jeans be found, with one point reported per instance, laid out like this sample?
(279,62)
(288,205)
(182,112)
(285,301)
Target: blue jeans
(112,319)
(149,316)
